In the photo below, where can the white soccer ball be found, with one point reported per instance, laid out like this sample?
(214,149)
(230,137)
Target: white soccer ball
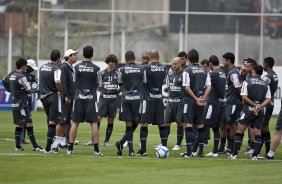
(162,152)
(34,86)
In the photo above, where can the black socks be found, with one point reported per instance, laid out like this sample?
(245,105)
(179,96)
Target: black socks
(18,137)
(50,136)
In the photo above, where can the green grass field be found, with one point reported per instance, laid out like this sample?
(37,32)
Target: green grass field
(82,167)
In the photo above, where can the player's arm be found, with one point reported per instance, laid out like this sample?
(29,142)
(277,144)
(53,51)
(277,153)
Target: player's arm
(99,80)
(23,81)
(266,79)
(265,102)
(119,87)
(236,82)
(186,84)
(57,79)
(120,82)
(244,94)
(66,96)
(208,87)
(6,81)
(167,81)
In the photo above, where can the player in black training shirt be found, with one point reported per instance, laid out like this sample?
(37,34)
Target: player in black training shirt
(86,77)
(256,95)
(214,109)
(176,92)
(33,81)
(145,59)
(67,99)
(271,79)
(233,100)
(249,63)
(50,90)
(153,107)
(197,86)
(108,102)
(132,77)
(19,88)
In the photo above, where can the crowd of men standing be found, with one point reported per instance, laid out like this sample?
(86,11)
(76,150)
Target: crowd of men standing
(199,98)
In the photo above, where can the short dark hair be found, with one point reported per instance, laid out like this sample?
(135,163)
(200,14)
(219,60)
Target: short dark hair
(214,60)
(252,61)
(193,56)
(230,56)
(88,51)
(258,69)
(129,56)
(21,62)
(182,54)
(55,55)
(111,57)
(204,61)
(269,61)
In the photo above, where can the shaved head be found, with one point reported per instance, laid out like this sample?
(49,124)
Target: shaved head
(176,64)
(176,59)
(154,55)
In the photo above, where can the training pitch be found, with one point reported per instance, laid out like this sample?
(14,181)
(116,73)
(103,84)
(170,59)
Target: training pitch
(82,167)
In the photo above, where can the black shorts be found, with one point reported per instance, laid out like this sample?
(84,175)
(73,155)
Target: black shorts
(107,108)
(52,107)
(22,117)
(193,114)
(85,111)
(174,112)
(213,115)
(267,114)
(66,113)
(153,112)
(130,111)
(232,113)
(248,118)
(279,121)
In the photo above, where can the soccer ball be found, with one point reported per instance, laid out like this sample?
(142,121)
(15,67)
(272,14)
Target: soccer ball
(162,152)
(34,86)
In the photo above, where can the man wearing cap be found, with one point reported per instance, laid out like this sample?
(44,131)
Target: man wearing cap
(18,85)
(67,98)
(33,81)
(20,88)
(50,90)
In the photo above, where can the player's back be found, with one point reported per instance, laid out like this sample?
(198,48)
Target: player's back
(132,78)
(197,75)
(86,80)
(257,89)
(46,78)
(18,90)
(218,83)
(155,73)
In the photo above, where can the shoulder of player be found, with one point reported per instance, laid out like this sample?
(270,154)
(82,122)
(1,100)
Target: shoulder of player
(20,75)
(63,66)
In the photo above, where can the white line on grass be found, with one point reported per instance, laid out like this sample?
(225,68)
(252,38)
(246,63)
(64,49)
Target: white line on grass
(127,157)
